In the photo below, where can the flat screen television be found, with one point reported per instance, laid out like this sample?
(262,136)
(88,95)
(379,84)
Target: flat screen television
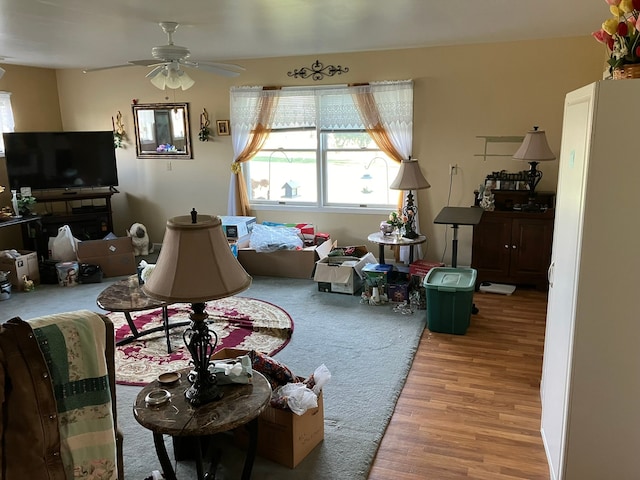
(60,160)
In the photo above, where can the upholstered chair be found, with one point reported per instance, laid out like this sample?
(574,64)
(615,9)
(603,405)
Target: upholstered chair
(57,394)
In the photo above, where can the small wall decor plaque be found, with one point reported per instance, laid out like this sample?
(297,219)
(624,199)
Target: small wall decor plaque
(318,71)
(223,127)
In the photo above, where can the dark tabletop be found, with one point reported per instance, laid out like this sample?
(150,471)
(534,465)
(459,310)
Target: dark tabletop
(459,215)
(238,405)
(126,296)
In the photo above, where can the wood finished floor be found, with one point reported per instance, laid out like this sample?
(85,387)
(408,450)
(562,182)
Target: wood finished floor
(470,408)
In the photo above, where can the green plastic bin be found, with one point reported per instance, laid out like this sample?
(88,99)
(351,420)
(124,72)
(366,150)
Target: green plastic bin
(450,299)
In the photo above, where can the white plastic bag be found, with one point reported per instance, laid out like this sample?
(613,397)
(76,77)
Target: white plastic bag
(64,246)
(265,238)
(298,397)
(321,376)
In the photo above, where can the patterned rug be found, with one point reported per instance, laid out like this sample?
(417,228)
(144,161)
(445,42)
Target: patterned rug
(239,322)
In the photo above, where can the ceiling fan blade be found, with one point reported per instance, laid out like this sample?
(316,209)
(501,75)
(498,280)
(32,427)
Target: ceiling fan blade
(89,70)
(225,66)
(224,69)
(145,63)
(155,71)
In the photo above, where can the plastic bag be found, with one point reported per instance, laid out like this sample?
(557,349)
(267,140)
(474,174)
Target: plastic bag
(269,239)
(318,379)
(298,397)
(64,246)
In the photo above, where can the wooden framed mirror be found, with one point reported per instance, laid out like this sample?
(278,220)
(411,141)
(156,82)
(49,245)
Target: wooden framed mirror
(162,130)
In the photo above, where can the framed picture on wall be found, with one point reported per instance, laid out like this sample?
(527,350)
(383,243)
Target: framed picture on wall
(223,127)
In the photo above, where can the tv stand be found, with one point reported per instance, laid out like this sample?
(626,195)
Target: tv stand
(88,214)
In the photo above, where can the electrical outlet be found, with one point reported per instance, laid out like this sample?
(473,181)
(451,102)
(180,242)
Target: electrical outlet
(169,167)
(453,169)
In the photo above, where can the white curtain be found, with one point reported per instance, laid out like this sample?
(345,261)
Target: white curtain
(394,101)
(6,117)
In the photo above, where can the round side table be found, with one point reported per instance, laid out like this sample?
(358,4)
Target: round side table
(392,240)
(240,405)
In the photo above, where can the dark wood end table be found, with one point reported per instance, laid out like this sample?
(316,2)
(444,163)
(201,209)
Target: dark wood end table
(239,405)
(127,296)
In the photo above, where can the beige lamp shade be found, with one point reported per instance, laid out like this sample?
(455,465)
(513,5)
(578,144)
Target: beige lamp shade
(409,177)
(534,147)
(195,263)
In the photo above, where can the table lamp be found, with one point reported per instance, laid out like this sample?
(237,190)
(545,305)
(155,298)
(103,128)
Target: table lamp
(196,265)
(410,178)
(534,149)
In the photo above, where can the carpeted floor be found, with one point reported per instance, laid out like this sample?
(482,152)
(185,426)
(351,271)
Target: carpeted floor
(367,349)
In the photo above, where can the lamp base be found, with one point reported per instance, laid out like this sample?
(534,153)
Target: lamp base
(201,343)
(197,394)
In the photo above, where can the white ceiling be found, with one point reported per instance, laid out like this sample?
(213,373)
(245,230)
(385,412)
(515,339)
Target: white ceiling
(99,33)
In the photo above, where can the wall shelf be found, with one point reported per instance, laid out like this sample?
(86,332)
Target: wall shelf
(489,139)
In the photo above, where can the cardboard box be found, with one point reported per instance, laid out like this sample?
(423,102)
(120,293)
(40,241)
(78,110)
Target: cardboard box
(343,273)
(351,288)
(398,292)
(287,438)
(283,436)
(115,256)
(237,226)
(283,263)
(377,275)
(25,264)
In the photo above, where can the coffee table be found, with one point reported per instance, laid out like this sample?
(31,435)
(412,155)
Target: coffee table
(240,405)
(127,296)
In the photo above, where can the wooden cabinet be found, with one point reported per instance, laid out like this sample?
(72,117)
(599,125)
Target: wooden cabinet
(513,247)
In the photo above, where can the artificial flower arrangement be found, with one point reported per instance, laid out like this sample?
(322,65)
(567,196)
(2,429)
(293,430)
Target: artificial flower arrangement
(397,219)
(166,148)
(620,33)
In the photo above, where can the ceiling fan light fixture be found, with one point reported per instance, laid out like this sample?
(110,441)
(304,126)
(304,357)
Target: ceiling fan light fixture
(172,78)
(159,81)
(185,80)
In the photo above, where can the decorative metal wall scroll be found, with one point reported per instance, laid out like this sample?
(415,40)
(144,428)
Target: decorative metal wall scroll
(318,71)
(204,133)
(118,131)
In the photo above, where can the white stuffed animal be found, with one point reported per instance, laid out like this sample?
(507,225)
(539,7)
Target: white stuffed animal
(140,239)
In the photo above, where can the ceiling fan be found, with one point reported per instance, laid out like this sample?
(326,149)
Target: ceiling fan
(168,60)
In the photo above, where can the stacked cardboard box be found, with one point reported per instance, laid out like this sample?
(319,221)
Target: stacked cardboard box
(26,263)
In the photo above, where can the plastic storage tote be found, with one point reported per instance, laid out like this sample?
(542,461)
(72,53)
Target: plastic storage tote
(450,299)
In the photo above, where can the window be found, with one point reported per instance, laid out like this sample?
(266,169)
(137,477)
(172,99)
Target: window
(319,154)
(6,117)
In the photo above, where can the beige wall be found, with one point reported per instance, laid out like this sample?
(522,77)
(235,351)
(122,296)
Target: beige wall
(460,92)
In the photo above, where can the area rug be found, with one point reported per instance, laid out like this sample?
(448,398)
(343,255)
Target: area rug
(239,322)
